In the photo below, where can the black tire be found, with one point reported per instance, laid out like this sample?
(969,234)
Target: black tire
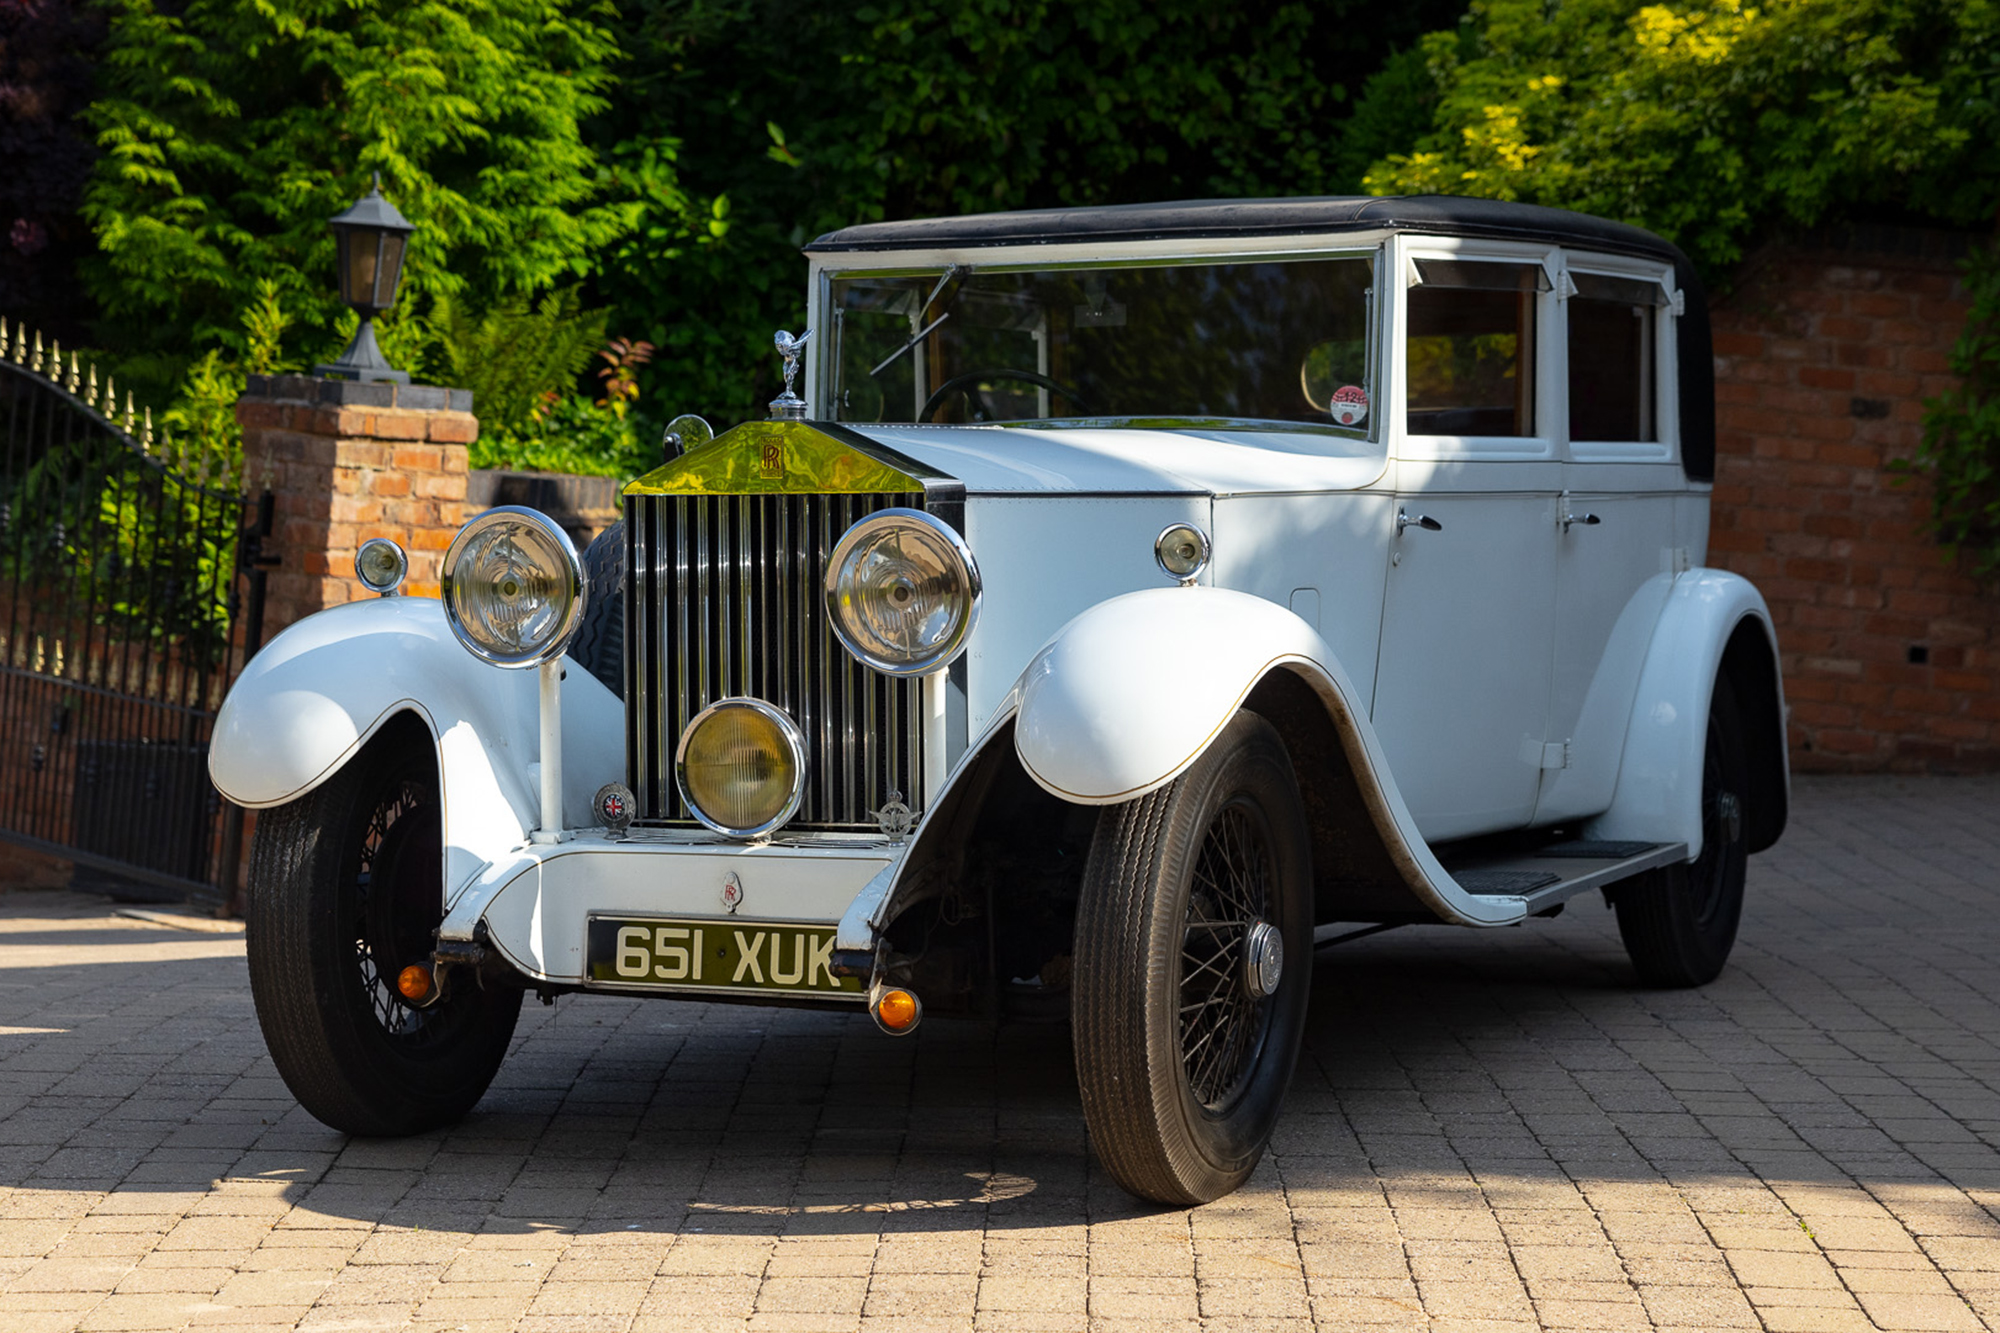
(1167,1127)
(1679,923)
(345,893)
(599,645)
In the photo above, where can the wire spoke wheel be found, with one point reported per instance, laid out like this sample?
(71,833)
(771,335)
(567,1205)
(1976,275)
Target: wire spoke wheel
(1192,969)
(396,909)
(1222,1022)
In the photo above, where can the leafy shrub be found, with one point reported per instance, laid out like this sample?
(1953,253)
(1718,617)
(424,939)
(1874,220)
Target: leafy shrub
(907,108)
(1710,122)
(1960,453)
(229,131)
(516,357)
(573,436)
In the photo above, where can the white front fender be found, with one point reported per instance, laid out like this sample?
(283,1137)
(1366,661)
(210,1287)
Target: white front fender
(310,699)
(1129,694)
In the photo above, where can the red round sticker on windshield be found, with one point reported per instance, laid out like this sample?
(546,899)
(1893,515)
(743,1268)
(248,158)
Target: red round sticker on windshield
(1349,405)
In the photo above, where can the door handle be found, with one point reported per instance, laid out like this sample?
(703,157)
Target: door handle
(1405,520)
(1566,519)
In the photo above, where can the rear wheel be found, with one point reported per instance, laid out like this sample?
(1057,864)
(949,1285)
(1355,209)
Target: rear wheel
(1679,923)
(1193,967)
(345,892)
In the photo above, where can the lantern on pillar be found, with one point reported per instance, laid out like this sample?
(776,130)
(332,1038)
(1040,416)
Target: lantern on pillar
(370,239)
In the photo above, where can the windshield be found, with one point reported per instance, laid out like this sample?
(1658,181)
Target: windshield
(1278,341)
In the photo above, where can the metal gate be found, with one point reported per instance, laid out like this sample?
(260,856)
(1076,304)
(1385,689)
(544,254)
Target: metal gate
(118,630)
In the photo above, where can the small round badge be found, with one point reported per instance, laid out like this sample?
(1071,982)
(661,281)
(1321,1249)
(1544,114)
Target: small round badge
(614,805)
(1349,406)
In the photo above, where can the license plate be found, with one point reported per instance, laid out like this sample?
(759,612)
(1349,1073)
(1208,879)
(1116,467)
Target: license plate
(754,957)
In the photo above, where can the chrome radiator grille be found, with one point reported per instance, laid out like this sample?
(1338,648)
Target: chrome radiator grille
(724,601)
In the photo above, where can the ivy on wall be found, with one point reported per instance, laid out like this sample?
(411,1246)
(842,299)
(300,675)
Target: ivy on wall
(1960,453)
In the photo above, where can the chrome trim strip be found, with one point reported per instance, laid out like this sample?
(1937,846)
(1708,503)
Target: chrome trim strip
(751,595)
(703,687)
(679,648)
(781,601)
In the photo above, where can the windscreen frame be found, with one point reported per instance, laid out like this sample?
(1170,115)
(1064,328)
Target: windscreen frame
(823,367)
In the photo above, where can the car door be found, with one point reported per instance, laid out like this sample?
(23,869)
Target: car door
(1462,682)
(1615,553)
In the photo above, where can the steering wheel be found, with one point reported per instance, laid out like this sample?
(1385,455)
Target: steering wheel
(932,403)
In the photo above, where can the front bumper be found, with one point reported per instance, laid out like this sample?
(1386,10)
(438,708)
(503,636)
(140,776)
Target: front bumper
(535,903)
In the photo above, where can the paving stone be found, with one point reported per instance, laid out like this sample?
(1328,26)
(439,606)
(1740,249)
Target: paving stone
(1488,1131)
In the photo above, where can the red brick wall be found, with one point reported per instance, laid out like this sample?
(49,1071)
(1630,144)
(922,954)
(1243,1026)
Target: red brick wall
(343,473)
(1823,359)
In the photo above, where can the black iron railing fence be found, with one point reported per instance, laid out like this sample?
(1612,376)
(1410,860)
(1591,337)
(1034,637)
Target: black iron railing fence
(122,623)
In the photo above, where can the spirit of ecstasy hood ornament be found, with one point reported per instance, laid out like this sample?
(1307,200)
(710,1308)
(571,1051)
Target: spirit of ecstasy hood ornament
(788,406)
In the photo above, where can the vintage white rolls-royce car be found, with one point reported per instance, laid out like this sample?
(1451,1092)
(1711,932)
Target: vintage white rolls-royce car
(1137,601)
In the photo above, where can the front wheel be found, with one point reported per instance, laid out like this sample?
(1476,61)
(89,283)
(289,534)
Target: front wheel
(345,892)
(1679,923)
(1193,965)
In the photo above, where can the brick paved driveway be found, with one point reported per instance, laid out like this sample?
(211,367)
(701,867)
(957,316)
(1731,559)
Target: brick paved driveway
(1489,1131)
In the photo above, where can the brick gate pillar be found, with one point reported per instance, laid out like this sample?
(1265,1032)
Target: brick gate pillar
(346,462)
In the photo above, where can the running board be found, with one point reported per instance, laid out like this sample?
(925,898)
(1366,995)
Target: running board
(1549,876)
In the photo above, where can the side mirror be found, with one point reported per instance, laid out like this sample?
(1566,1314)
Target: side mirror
(685,433)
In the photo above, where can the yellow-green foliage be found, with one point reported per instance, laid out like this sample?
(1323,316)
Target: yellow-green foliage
(1714,123)
(1705,122)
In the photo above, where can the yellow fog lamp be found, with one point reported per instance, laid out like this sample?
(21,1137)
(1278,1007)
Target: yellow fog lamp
(903,592)
(513,587)
(741,767)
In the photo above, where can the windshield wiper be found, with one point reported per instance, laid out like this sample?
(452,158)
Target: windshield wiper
(957,271)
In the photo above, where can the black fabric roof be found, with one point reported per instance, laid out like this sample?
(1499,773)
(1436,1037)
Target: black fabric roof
(1435,213)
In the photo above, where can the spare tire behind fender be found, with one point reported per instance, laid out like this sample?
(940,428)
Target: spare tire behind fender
(599,646)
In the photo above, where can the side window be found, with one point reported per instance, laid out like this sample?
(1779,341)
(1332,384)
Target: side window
(1471,351)
(1611,359)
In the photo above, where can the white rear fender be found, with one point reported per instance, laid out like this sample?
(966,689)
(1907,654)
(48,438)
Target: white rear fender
(312,697)
(1658,794)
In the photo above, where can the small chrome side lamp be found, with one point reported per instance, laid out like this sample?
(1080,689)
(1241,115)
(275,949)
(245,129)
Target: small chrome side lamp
(381,566)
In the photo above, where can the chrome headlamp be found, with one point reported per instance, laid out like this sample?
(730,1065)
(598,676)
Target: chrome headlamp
(513,587)
(903,592)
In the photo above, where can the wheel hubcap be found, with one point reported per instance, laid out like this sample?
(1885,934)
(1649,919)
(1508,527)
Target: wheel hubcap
(1263,960)
(1730,809)
(1721,828)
